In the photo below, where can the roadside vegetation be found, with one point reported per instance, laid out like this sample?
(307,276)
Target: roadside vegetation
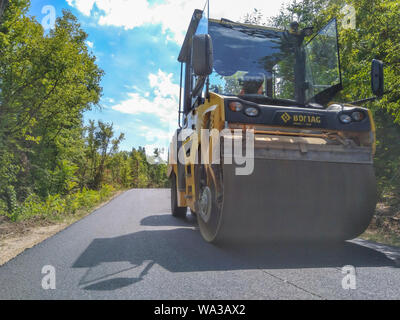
(52,164)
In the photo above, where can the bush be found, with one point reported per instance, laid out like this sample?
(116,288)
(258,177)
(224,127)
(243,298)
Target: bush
(56,206)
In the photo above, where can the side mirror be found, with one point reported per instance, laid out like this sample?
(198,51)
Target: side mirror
(202,55)
(377,78)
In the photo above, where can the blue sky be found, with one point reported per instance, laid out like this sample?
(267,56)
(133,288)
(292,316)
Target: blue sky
(136,43)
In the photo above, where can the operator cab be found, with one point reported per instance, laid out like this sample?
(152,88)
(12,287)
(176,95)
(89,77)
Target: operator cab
(263,65)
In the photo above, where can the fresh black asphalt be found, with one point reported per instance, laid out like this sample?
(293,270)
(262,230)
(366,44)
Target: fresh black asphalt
(133,248)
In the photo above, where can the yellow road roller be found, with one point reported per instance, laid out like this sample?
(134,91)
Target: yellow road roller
(263,152)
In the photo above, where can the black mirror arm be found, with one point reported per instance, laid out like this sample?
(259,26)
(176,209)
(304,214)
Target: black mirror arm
(361,102)
(199,86)
(208,89)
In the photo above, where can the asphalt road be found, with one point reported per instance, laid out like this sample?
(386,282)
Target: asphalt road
(132,248)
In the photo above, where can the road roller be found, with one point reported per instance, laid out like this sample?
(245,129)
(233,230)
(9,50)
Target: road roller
(263,150)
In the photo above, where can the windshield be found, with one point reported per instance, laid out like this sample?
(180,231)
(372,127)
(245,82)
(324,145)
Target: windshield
(322,62)
(255,60)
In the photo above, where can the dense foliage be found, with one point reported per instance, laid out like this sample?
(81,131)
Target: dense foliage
(47,156)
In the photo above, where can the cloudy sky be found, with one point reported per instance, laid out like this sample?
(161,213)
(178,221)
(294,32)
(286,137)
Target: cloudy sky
(136,43)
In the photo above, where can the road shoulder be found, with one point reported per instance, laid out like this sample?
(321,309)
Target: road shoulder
(15,238)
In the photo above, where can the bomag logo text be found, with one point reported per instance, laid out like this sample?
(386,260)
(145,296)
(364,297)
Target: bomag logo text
(306,119)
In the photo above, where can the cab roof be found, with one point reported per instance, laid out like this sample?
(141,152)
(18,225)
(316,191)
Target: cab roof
(184,54)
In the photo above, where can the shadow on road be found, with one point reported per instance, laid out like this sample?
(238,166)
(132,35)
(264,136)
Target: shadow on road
(165,220)
(183,250)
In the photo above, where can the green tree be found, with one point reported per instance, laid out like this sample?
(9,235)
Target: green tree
(47,156)
(107,147)
(120,169)
(47,82)
(139,167)
(256,17)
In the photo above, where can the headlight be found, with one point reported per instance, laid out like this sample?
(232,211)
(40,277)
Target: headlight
(358,116)
(236,106)
(252,112)
(345,118)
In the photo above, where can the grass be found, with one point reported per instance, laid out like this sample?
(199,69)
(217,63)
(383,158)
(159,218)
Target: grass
(385,227)
(388,238)
(55,207)
(54,211)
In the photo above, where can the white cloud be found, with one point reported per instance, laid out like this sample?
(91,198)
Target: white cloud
(161,107)
(109,101)
(163,86)
(85,6)
(164,104)
(151,134)
(173,15)
(90,44)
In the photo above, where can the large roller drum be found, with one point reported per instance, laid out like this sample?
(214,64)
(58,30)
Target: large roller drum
(294,200)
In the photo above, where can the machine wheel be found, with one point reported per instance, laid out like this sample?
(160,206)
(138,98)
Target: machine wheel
(178,212)
(209,213)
